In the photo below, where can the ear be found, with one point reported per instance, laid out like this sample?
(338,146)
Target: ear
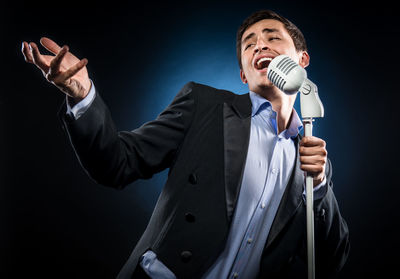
(242,76)
(304,59)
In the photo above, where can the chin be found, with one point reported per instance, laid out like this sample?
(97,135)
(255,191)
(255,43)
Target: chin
(266,84)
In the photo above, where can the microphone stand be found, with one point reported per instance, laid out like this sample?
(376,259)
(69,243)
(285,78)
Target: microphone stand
(311,107)
(309,210)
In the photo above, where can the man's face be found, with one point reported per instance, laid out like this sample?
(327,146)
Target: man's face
(261,42)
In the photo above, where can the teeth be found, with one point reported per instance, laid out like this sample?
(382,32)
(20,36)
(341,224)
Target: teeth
(263,59)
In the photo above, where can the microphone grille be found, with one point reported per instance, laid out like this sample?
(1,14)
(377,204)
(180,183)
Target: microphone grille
(286,65)
(286,74)
(276,79)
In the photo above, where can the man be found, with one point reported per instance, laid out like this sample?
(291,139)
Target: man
(233,205)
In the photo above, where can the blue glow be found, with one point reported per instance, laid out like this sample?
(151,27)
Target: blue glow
(192,58)
(206,54)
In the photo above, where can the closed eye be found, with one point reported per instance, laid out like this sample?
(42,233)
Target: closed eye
(249,45)
(274,38)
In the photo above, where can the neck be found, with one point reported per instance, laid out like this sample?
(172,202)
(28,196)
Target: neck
(282,104)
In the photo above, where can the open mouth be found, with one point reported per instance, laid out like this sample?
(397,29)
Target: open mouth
(262,63)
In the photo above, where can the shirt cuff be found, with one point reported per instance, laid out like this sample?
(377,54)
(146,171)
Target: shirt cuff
(154,268)
(77,110)
(318,191)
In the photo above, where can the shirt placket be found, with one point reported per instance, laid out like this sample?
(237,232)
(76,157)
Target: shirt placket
(258,215)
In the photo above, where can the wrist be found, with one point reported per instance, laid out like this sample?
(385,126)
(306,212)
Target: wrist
(318,180)
(83,92)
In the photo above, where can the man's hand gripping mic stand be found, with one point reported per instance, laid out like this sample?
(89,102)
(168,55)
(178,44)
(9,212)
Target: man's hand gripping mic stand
(311,107)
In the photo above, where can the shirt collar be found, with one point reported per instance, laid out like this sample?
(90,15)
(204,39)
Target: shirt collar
(295,126)
(259,103)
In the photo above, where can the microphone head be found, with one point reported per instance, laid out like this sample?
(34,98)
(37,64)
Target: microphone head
(286,74)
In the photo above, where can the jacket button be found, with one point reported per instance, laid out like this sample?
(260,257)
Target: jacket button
(193,178)
(186,256)
(190,217)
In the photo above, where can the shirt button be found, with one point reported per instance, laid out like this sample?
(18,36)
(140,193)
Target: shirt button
(235,275)
(249,240)
(146,262)
(263,205)
(274,170)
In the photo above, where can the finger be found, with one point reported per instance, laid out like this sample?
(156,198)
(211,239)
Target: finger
(37,58)
(310,151)
(312,169)
(25,49)
(313,160)
(54,48)
(74,69)
(312,141)
(50,45)
(56,62)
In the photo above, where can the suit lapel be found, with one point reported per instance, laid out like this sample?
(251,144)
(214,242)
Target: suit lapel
(291,200)
(237,119)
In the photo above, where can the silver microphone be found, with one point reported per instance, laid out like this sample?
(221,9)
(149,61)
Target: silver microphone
(289,77)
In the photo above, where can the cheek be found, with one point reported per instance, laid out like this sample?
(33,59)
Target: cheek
(245,62)
(247,65)
(247,57)
(295,57)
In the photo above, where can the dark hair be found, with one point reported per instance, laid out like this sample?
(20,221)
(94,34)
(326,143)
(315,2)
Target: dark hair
(294,32)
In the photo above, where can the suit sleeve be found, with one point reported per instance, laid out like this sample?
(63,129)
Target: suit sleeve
(331,233)
(115,158)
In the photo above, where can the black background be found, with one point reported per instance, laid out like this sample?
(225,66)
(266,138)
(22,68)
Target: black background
(57,223)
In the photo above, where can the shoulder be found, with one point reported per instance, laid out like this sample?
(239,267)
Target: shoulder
(206,92)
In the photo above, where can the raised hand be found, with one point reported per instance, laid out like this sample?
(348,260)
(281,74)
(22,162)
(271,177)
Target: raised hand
(64,69)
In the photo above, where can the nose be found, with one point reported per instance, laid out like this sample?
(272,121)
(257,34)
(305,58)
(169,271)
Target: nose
(261,45)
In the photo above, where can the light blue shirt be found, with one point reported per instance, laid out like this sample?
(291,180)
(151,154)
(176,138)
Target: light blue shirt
(269,164)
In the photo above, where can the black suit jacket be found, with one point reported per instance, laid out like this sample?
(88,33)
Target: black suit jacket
(202,137)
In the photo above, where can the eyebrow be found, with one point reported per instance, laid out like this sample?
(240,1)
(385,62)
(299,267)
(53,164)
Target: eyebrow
(265,30)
